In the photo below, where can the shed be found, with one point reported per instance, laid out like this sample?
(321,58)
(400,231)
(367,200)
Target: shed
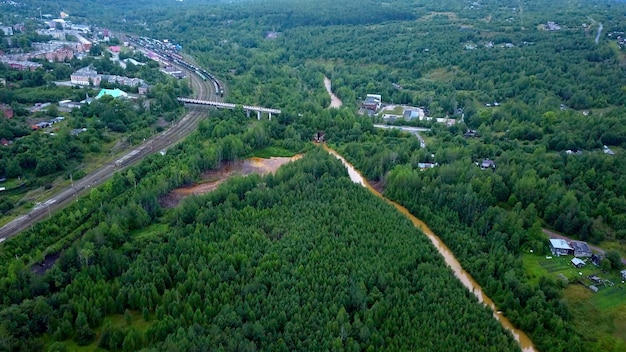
(623,272)
(579,263)
(593,288)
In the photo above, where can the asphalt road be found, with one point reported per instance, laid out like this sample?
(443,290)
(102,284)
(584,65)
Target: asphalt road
(414,130)
(202,89)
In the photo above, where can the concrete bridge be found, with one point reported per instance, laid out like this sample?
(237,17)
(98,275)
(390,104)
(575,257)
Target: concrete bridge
(258,109)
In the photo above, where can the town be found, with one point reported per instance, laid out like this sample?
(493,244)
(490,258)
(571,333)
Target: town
(312,175)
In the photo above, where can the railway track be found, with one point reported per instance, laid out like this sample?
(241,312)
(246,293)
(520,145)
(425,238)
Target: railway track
(202,89)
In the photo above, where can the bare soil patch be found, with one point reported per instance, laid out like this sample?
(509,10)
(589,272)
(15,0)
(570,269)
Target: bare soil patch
(213,178)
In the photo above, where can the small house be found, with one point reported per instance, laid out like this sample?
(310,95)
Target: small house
(579,263)
(607,150)
(487,164)
(581,249)
(426,165)
(596,259)
(470,134)
(319,137)
(560,247)
(143,89)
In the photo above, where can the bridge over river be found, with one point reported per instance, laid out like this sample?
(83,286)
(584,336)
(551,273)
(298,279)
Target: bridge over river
(258,109)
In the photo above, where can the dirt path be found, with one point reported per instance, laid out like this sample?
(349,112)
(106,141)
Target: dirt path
(553,234)
(335,102)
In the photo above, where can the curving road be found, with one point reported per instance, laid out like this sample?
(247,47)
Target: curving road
(202,89)
(413,130)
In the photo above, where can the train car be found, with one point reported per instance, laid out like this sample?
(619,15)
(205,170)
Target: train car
(201,75)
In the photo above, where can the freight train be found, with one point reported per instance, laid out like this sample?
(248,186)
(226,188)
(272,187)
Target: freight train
(168,52)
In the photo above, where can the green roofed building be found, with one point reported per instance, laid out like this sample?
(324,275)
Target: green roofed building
(115,93)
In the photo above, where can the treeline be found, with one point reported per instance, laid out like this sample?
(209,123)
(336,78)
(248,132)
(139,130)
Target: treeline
(81,231)
(489,217)
(250,266)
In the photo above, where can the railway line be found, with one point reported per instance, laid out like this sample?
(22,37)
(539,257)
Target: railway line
(202,88)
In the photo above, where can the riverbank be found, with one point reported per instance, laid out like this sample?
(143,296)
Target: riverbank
(466,279)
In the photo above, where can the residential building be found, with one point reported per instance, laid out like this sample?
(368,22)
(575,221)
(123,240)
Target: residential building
(7,111)
(143,89)
(84,42)
(60,55)
(560,247)
(22,65)
(581,249)
(86,76)
(126,81)
(372,102)
(8,31)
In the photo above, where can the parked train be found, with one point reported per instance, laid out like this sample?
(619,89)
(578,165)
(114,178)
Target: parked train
(168,54)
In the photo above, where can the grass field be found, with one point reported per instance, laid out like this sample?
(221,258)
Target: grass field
(117,320)
(618,246)
(599,317)
(537,266)
(150,231)
(273,151)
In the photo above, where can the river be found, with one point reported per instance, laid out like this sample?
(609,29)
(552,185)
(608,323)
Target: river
(335,102)
(466,279)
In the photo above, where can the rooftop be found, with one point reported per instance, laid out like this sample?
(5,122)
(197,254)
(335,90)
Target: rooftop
(580,246)
(115,93)
(558,243)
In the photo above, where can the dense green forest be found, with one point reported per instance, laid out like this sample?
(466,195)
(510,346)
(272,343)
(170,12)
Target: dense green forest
(560,97)
(251,266)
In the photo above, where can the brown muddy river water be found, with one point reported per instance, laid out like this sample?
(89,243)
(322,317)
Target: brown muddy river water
(466,279)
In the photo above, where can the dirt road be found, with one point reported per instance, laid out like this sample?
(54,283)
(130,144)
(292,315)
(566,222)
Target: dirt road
(335,102)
